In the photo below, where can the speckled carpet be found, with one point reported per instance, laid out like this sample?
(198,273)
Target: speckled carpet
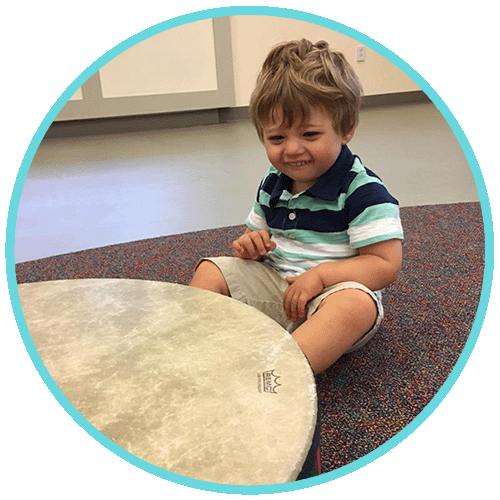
(367,397)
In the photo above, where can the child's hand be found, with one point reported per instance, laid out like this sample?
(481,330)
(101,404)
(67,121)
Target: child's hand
(301,290)
(253,245)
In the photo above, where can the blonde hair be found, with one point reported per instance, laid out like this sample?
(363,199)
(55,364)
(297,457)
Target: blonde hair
(298,75)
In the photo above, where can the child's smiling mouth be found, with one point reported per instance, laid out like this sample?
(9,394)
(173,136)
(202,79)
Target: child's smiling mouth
(298,163)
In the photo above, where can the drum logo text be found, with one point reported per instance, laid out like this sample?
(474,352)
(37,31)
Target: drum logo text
(269,382)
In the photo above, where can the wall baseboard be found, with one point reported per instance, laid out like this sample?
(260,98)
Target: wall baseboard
(165,121)
(413,96)
(131,124)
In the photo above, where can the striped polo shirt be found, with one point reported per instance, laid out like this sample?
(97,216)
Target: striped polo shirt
(349,207)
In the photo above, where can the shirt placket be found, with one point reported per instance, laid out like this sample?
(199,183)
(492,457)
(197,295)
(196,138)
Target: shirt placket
(292,215)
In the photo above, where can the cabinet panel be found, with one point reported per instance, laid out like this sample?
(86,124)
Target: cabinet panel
(78,95)
(186,68)
(181,59)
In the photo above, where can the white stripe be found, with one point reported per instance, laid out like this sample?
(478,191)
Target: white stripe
(257,221)
(292,267)
(284,268)
(307,250)
(374,229)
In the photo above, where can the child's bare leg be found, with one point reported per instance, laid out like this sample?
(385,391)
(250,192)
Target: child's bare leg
(340,321)
(208,277)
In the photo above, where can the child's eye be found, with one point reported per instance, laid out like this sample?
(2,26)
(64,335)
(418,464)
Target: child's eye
(311,134)
(275,138)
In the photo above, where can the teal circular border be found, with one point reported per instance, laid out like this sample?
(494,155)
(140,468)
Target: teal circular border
(275,12)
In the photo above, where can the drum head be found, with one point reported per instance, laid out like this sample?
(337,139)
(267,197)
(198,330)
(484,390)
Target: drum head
(192,382)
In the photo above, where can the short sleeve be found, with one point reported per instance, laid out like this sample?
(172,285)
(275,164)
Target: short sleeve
(372,212)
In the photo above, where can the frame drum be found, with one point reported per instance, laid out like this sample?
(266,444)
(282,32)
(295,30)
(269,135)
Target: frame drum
(190,381)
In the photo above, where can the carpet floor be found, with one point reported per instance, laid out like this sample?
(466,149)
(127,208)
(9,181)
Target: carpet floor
(368,396)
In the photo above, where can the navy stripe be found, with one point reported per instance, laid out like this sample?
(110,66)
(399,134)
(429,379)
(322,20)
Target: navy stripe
(327,221)
(347,182)
(269,182)
(366,196)
(322,221)
(337,180)
(330,184)
(372,174)
(352,175)
(275,184)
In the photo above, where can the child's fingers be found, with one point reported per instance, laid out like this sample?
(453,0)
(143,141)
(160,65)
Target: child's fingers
(294,301)
(245,248)
(298,307)
(250,247)
(258,239)
(266,238)
(290,304)
(301,311)
(286,304)
(238,248)
(253,245)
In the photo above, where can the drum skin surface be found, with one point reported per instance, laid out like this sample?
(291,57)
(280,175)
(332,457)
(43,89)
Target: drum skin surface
(192,382)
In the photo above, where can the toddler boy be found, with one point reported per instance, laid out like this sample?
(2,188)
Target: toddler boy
(324,235)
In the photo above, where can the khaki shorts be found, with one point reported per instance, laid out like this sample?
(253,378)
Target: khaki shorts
(259,285)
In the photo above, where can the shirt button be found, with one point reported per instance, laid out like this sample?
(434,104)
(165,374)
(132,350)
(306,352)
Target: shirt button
(292,215)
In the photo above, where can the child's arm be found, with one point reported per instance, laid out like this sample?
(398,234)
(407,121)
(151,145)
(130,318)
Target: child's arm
(253,245)
(376,267)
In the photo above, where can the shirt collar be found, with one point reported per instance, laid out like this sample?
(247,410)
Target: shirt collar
(329,184)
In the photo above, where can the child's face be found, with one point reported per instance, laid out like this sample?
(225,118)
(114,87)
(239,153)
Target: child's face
(304,151)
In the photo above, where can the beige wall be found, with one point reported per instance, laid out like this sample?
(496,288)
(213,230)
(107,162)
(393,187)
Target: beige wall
(181,59)
(254,36)
(77,96)
(190,67)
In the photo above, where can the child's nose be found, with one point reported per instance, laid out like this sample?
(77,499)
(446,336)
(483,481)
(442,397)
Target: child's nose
(294,147)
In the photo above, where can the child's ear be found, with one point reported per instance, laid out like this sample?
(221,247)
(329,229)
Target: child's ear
(347,137)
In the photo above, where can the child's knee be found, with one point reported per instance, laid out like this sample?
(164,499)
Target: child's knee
(209,277)
(354,305)
(206,268)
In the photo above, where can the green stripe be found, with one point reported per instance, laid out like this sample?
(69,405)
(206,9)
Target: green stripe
(264,198)
(376,213)
(281,254)
(258,210)
(305,202)
(311,237)
(315,204)
(361,178)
